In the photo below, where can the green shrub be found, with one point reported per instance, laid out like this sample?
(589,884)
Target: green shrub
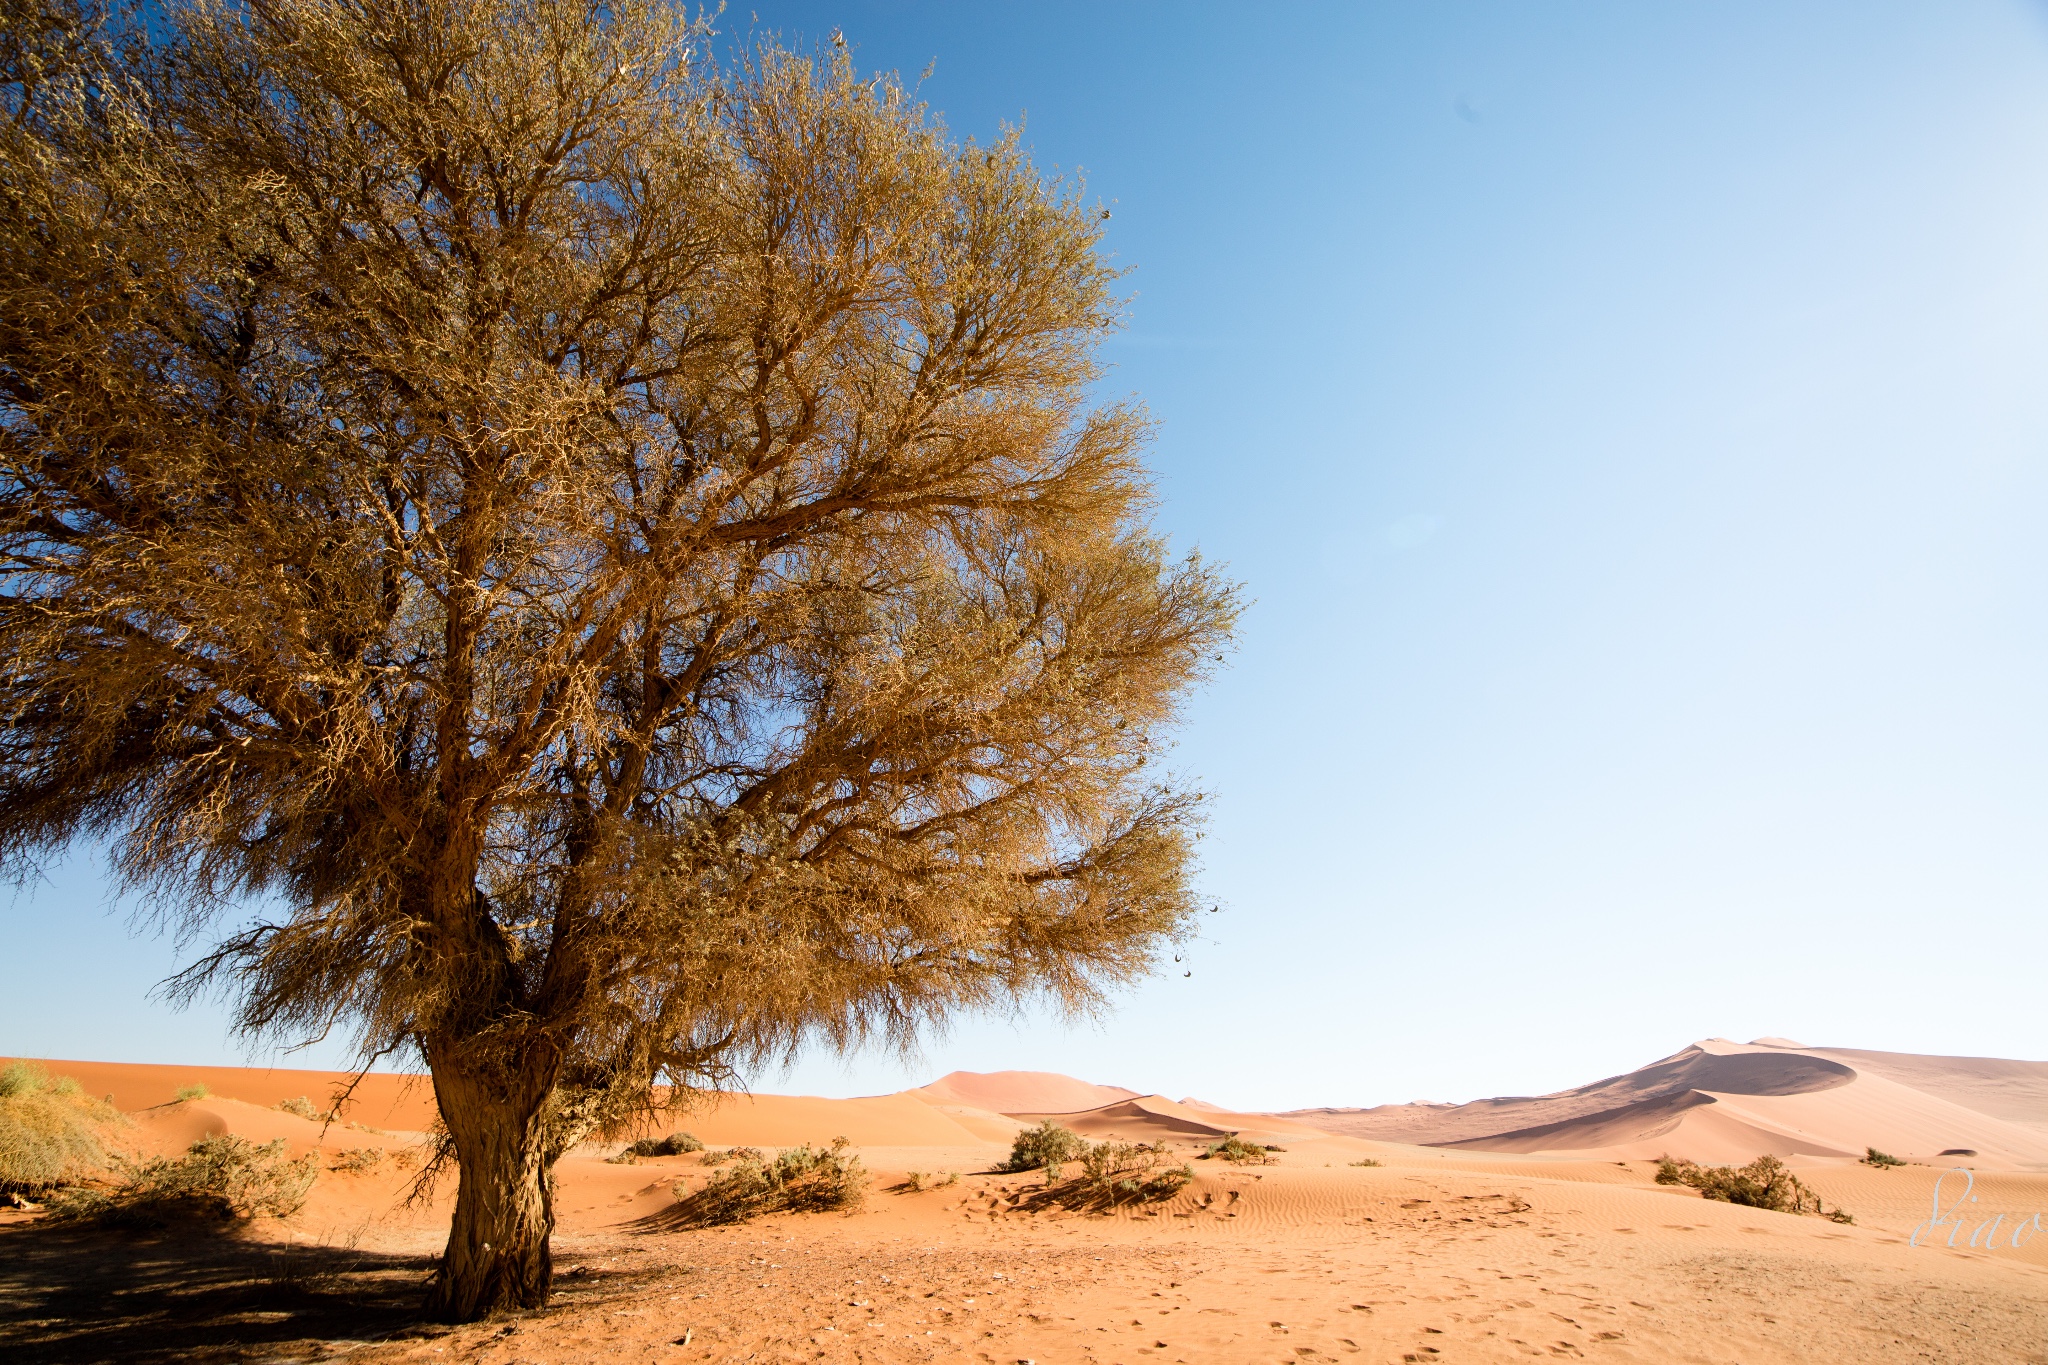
(1236,1150)
(1367,1162)
(1873,1157)
(1046,1148)
(1129,1173)
(194,1091)
(800,1180)
(675,1144)
(1765,1183)
(49,1130)
(218,1177)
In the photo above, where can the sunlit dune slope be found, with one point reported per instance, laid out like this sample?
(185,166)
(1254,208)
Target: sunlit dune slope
(379,1099)
(1721,1101)
(1020,1092)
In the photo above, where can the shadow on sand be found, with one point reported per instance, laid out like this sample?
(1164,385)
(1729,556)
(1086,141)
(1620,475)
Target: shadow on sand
(79,1294)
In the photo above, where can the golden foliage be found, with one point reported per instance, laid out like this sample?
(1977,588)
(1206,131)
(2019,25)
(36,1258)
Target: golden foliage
(620,551)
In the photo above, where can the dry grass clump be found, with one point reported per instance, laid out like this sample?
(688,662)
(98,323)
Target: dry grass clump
(718,1157)
(1046,1147)
(1366,1162)
(1765,1183)
(194,1091)
(302,1108)
(49,1130)
(914,1181)
(800,1180)
(675,1144)
(218,1178)
(1236,1150)
(358,1160)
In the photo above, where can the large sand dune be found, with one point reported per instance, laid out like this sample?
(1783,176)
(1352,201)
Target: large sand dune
(1719,1101)
(1021,1092)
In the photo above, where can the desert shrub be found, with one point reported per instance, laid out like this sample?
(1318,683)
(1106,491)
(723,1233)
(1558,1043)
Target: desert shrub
(1367,1162)
(800,1180)
(675,1144)
(915,1181)
(194,1091)
(49,1130)
(1873,1157)
(1047,1147)
(1235,1149)
(1123,1172)
(301,1106)
(218,1177)
(358,1160)
(716,1157)
(1765,1183)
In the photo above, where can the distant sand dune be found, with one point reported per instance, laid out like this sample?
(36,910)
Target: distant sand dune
(1721,1101)
(1021,1092)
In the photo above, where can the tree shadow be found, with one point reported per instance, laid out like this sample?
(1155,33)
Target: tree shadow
(72,1294)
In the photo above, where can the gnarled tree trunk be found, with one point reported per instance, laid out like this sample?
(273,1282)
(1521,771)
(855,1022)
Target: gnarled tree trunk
(497,1257)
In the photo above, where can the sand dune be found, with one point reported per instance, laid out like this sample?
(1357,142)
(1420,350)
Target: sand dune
(900,1120)
(1155,1118)
(381,1099)
(1723,1102)
(2014,1091)
(1432,1254)
(1020,1092)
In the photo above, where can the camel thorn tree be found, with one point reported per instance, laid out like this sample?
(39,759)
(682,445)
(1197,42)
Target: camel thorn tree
(617,553)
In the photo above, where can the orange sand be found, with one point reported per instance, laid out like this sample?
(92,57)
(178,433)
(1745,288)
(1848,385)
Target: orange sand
(1434,1254)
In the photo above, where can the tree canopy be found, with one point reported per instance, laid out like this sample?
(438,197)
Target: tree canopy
(622,552)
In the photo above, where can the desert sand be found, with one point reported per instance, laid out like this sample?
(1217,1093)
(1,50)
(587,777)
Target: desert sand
(1554,1241)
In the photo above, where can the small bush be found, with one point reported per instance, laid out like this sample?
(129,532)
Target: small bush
(1873,1157)
(1236,1150)
(1367,1162)
(358,1161)
(302,1107)
(915,1181)
(194,1091)
(715,1157)
(218,1178)
(800,1180)
(49,1130)
(675,1144)
(1129,1173)
(1765,1183)
(1046,1148)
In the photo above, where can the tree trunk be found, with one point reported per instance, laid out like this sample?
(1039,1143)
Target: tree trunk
(497,1257)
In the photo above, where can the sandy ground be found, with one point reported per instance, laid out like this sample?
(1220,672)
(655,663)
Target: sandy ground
(1429,1257)
(1432,1255)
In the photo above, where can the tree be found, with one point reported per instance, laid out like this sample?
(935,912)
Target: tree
(618,553)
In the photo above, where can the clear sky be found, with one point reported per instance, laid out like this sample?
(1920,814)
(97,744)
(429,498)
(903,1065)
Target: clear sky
(1632,423)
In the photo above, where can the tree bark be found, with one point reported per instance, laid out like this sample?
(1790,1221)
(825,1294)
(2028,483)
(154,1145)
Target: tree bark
(497,1258)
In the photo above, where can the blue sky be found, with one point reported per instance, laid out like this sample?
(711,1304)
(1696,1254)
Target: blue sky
(1630,422)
